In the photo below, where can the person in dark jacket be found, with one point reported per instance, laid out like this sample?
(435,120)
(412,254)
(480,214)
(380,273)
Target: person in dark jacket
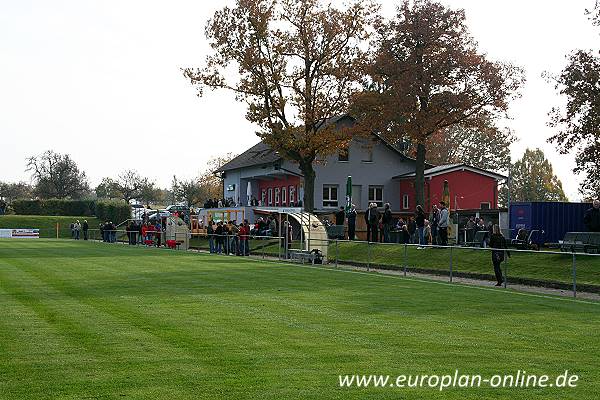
(386,220)
(351,215)
(340,218)
(592,217)
(372,220)
(497,241)
(85,227)
(420,221)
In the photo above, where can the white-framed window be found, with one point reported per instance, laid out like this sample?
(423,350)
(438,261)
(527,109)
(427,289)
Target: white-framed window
(405,202)
(270,203)
(344,154)
(292,194)
(263,197)
(277,190)
(376,195)
(284,195)
(330,195)
(485,205)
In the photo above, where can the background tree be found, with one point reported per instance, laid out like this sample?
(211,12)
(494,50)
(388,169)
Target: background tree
(427,75)
(57,176)
(578,122)
(15,191)
(487,148)
(187,191)
(107,189)
(130,184)
(533,179)
(298,61)
(149,193)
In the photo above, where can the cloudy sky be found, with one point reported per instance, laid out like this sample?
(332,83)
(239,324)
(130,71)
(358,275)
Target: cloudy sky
(101,80)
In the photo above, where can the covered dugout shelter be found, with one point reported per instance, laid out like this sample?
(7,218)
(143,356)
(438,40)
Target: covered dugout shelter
(307,229)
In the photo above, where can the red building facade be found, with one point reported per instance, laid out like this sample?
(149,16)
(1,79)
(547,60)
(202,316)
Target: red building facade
(470,188)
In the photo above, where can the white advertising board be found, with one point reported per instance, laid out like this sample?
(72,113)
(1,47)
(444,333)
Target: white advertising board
(20,233)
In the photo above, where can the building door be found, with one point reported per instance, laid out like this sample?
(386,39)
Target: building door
(357,196)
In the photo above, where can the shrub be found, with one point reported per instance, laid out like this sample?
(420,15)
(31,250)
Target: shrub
(113,210)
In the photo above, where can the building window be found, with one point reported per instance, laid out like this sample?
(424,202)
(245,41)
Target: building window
(484,206)
(367,154)
(270,197)
(344,154)
(292,195)
(284,196)
(330,196)
(405,203)
(263,197)
(277,196)
(376,195)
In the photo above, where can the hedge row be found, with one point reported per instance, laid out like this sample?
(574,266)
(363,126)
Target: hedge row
(116,211)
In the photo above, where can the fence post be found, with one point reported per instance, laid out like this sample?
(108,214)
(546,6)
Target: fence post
(57,230)
(505,271)
(336,252)
(574,276)
(451,263)
(280,247)
(405,258)
(263,249)
(369,255)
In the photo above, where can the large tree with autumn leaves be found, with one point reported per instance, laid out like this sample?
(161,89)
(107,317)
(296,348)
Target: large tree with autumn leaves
(298,63)
(427,75)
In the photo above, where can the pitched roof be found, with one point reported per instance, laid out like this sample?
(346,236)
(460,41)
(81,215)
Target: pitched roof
(259,154)
(442,169)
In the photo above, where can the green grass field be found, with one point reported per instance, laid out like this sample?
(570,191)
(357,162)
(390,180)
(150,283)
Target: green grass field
(46,224)
(101,321)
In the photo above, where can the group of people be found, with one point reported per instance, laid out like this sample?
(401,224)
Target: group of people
(229,238)
(420,229)
(108,232)
(77,229)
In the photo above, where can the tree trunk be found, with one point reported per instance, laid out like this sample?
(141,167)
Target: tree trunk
(309,186)
(420,176)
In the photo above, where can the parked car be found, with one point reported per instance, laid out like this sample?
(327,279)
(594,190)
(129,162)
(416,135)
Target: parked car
(177,207)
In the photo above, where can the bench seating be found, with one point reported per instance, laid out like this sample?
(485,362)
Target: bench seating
(588,242)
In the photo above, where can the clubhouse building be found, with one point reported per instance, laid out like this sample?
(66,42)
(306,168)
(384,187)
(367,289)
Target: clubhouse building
(380,174)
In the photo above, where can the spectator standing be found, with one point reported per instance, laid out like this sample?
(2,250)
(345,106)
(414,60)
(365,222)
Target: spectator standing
(412,229)
(443,225)
(72,226)
(404,235)
(386,220)
(351,215)
(592,217)
(158,229)
(435,221)
(427,233)
(85,227)
(340,219)
(497,241)
(210,231)
(219,236)
(77,229)
(372,220)
(420,221)
(470,228)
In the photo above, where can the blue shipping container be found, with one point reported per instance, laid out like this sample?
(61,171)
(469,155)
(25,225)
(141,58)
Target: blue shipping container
(554,218)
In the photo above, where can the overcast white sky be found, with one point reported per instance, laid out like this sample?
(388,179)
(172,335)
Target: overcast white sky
(100,80)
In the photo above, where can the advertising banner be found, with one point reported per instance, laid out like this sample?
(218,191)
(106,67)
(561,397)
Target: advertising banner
(20,233)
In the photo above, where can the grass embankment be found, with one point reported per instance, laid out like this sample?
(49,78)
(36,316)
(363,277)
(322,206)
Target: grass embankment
(95,320)
(522,267)
(46,224)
